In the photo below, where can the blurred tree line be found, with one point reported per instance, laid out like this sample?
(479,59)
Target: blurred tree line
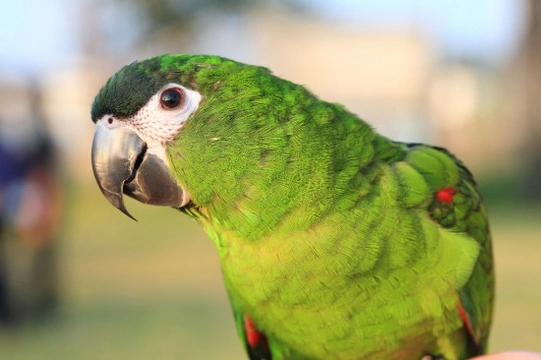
(152,16)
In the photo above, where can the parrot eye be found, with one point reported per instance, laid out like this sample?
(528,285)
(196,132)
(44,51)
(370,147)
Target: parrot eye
(171,98)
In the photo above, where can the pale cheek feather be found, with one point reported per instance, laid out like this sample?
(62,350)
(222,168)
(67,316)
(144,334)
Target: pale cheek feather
(157,125)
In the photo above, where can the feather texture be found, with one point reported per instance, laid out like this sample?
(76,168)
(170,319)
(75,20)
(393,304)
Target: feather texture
(335,242)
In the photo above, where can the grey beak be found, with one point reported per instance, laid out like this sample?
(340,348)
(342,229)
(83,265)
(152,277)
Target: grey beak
(121,164)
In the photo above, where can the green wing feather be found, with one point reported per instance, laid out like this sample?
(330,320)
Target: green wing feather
(465,214)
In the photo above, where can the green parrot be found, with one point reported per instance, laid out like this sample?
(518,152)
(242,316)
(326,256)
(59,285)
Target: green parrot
(335,242)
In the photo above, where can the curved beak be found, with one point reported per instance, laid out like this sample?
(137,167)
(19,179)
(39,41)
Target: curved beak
(121,164)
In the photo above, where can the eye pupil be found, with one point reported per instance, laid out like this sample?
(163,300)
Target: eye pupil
(171,98)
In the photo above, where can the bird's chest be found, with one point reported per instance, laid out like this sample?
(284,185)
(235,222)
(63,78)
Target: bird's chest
(321,303)
(284,274)
(293,292)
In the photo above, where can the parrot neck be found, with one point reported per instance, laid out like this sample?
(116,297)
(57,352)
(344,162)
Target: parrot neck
(264,190)
(263,155)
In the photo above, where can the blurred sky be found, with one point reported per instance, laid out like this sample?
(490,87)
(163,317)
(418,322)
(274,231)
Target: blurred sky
(35,35)
(488,30)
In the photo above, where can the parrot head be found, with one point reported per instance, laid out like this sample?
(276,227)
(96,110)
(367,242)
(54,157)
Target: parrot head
(137,112)
(155,119)
(201,132)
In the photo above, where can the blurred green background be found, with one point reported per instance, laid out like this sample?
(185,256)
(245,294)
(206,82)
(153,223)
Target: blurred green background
(457,74)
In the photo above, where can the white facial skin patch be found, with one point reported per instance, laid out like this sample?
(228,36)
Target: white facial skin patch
(156,124)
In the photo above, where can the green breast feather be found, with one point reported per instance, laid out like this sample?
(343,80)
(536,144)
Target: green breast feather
(335,242)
